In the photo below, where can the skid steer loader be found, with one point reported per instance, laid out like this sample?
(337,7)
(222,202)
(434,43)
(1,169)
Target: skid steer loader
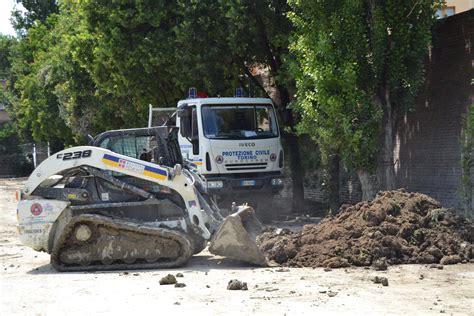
(128,201)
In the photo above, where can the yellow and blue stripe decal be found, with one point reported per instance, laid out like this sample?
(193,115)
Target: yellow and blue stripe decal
(110,160)
(148,171)
(196,161)
(155,173)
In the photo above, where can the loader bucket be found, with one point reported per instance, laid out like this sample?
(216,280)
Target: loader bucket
(236,237)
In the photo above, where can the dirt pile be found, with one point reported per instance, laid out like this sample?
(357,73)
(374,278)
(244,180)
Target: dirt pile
(396,227)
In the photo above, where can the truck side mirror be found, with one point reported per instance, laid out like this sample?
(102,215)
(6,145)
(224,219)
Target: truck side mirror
(195,143)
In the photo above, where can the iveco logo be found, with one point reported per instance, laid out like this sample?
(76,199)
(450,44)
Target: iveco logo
(246,144)
(219,159)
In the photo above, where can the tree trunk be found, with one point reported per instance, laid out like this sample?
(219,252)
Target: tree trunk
(333,164)
(384,177)
(296,167)
(293,145)
(385,165)
(369,184)
(467,166)
(297,172)
(286,115)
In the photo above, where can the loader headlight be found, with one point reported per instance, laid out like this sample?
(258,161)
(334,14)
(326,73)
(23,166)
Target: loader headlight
(277,182)
(215,184)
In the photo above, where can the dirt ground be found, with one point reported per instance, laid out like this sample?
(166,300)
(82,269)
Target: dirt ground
(29,286)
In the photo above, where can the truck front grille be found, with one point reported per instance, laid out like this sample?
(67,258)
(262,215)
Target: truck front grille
(246,166)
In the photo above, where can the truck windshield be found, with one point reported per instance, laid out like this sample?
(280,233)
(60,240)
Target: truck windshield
(239,121)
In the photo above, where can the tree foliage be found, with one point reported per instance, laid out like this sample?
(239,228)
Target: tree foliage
(36,11)
(467,162)
(87,66)
(7,44)
(358,62)
(35,104)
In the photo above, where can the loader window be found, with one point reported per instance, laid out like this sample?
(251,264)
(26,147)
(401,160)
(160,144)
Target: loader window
(130,146)
(239,121)
(146,148)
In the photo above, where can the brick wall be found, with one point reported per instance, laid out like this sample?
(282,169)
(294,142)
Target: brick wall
(18,161)
(428,140)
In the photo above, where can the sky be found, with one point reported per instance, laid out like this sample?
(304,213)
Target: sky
(6,6)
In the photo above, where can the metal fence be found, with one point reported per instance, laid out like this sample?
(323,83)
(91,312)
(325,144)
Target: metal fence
(160,116)
(20,161)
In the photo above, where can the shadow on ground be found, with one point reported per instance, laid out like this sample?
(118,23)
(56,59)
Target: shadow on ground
(201,263)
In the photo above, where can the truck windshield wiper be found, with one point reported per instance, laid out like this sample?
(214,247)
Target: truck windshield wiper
(262,136)
(225,137)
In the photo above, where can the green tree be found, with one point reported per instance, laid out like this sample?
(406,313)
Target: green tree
(467,162)
(83,107)
(7,44)
(35,11)
(54,99)
(360,64)
(34,103)
(268,43)
(129,49)
(205,51)
(9,141)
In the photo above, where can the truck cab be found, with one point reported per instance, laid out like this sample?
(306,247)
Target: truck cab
(234,143)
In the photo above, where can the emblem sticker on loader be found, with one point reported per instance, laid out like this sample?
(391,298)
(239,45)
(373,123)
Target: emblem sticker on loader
(131,166)
(36,209)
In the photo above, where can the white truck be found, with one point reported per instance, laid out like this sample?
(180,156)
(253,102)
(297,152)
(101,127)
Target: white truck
(234,144)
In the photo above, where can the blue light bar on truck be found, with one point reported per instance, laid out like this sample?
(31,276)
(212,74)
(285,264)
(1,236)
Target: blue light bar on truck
(239,92)
(192,93)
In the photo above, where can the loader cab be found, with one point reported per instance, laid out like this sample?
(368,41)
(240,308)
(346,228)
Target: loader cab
(157,144)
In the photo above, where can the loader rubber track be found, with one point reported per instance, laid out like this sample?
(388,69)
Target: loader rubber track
(94,242)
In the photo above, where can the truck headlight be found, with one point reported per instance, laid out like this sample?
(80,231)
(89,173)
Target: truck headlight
(277,182)
(215,184)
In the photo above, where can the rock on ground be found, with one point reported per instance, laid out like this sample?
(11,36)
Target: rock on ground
(169,279)
(237,285)
(380,280)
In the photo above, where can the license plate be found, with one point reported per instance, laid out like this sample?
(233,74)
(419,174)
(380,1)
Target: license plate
(248,183)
